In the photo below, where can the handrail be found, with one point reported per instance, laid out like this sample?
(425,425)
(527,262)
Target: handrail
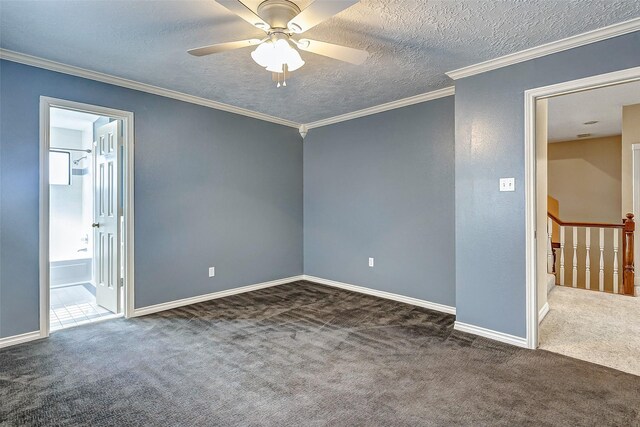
(628,228)
(583,224)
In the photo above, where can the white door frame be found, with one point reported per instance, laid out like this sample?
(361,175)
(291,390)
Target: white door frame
(636,206)
(127,166)
(530,98)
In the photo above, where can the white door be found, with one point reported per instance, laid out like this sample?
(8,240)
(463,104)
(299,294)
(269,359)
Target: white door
(106,216)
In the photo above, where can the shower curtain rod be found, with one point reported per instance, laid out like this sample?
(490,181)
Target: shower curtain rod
(71,149)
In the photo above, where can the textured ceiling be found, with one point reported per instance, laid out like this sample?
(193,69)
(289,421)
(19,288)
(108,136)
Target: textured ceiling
(568,113)
(412,44)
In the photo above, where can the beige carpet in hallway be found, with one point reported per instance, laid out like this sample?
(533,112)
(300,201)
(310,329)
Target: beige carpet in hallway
(593,326)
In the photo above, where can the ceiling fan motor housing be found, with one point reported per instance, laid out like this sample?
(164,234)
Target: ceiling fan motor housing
(278,13)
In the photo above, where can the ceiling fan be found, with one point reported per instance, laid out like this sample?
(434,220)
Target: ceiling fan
(283,20)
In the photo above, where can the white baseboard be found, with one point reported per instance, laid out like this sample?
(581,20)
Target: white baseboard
(382,294)
(19,339)
(543,312)
(193,300)
(491,334)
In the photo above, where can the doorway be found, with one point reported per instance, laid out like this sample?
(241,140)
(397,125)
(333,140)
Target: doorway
(86,214)
(579,239)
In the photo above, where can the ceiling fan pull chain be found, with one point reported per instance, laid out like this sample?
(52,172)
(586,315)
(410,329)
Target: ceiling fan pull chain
(284,77)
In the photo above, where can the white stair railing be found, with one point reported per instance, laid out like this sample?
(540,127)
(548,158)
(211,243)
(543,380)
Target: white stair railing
(609,262)
(550,257)
(574,275)
(587,261)
(615,260)
(601,274)
(562,235)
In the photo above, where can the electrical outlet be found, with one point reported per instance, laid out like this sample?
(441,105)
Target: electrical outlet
(212,271)
(370,262)
(507,184)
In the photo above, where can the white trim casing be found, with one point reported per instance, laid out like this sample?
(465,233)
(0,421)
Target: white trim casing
(128,185)
(589,37)
(128,258)
(531,291)
(491,334)
(530,98)
(382,294)
(19,339)
(142,87)
(636,208)
(424,97)
(543,312)
(143,311)
(43,220)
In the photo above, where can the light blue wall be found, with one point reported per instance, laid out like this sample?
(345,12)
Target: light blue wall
(211,189)
(490,226)
(214,188)
(382,186)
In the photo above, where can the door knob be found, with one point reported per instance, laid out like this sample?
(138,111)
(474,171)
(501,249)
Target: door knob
(95,225)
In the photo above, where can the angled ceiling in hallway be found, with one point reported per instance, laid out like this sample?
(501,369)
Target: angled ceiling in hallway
(411,44)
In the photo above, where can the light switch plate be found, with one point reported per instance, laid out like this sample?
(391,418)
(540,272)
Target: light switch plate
(212,271)
(370,262)
(507,184)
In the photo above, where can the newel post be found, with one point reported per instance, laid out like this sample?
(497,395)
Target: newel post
(627,249)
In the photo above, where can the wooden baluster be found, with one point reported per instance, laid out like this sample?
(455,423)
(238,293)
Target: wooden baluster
(587,272)
(628,277)
(615,260)
(562,232)
(601,274)
(550,263)
(574,278)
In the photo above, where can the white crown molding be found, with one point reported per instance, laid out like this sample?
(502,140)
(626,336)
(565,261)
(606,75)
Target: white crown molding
(589,37)
(424,97)
(491,334)
(19,339)
(142,87)
(221,294)
(155,90)
(382,294)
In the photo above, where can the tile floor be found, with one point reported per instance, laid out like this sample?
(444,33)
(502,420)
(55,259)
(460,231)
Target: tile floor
(75,305)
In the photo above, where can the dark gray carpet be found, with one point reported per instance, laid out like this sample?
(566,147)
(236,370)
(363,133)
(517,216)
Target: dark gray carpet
(301,354)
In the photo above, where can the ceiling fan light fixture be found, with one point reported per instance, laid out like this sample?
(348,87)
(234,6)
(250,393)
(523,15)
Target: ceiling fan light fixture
(261,54)
(275,68)
(275,55)
(278,52)
(294,60)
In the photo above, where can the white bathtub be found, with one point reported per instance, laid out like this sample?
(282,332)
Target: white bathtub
(66,272)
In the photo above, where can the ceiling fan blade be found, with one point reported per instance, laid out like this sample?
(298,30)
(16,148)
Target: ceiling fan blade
(316,12)
(240,9)
(342,53)
(223,47)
